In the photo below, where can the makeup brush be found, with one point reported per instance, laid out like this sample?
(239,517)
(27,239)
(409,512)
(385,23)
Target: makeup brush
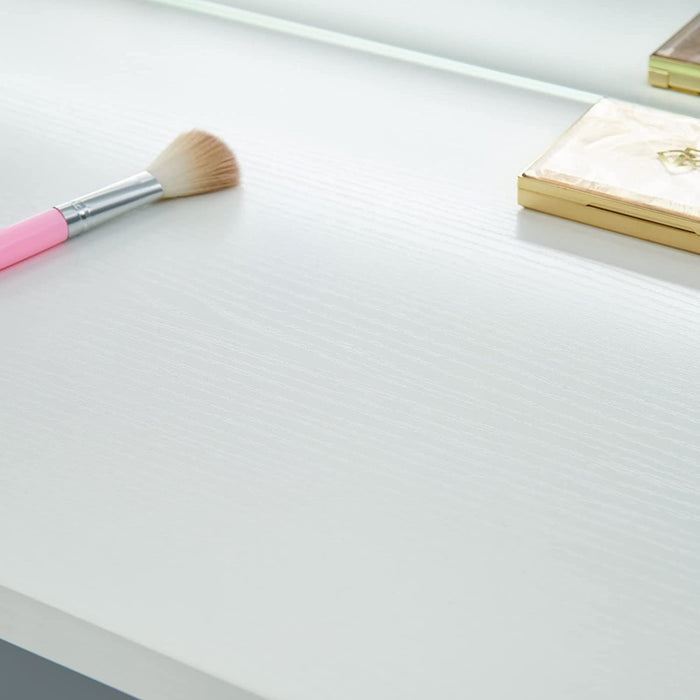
(194,163)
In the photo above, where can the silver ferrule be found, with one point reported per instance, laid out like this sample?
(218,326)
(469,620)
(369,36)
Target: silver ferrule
(93,209)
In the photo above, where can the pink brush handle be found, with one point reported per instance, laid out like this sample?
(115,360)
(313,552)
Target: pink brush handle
(31,236)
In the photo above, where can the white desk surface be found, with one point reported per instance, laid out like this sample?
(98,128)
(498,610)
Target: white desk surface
(363,428)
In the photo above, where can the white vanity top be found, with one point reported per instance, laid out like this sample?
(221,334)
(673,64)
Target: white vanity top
(363,428)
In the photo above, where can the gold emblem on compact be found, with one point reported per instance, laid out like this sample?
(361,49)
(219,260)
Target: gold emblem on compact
(680,161)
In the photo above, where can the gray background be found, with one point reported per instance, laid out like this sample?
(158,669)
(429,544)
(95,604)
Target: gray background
(26,676)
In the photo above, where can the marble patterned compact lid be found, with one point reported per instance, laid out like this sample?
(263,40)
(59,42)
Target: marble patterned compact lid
(684,45)
(630,153)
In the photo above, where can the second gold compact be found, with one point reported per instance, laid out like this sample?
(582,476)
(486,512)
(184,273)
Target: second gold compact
(676,64)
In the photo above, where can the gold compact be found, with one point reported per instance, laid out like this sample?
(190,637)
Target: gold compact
(625,168)
(677,63)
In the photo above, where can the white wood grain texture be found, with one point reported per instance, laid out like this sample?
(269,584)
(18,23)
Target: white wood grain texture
(363,428)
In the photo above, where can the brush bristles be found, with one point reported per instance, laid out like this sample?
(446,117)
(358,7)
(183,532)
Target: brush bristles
(194,163)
